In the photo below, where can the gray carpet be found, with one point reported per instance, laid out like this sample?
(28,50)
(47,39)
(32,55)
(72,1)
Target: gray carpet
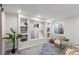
(42,49)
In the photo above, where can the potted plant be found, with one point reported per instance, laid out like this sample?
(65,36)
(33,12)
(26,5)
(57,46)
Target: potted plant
(65,39)
(12,36)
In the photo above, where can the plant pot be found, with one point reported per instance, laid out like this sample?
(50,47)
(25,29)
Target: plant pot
(13,50)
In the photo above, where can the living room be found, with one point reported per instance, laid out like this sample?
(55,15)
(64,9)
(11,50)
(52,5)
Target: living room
(38,24)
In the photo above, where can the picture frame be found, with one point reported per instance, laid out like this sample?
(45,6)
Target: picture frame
(58,28)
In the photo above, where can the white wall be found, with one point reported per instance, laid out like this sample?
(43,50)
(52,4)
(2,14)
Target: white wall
(71,28)
(11,22)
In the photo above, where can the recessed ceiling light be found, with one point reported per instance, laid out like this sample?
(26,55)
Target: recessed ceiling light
(19,11)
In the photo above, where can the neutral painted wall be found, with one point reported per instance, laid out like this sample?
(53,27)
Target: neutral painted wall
(71,28)
(11,22)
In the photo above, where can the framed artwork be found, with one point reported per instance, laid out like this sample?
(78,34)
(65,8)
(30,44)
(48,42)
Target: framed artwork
(58,28)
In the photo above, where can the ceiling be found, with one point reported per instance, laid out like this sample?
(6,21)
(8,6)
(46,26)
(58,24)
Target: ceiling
(57,11)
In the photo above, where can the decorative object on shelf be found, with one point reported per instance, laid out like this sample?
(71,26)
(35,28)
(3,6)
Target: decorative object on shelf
(48,29)
(36,25)
(48,34)
(65,39)
(23,29)
(25,23)
(13,36)
(24,38)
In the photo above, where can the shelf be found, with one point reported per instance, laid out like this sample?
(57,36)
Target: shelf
(36,39)
(23,29)
(48,32)
(24,25)
(24,38)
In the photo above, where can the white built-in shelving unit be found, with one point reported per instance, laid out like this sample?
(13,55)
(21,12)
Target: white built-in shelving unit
(34,31)
(23,29)
(48,30)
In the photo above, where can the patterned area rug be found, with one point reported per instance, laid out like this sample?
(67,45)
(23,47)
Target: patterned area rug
(41,49)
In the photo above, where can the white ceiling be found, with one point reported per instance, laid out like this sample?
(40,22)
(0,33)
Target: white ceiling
(58,11)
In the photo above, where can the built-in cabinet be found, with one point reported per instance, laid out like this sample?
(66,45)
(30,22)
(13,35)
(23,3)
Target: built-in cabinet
(48,30)
(36,29)
(32,31)
(23,29)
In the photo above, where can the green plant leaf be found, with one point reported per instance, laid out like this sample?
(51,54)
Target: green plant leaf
(6,38)
(10,35)
(12,30)
(12,41)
